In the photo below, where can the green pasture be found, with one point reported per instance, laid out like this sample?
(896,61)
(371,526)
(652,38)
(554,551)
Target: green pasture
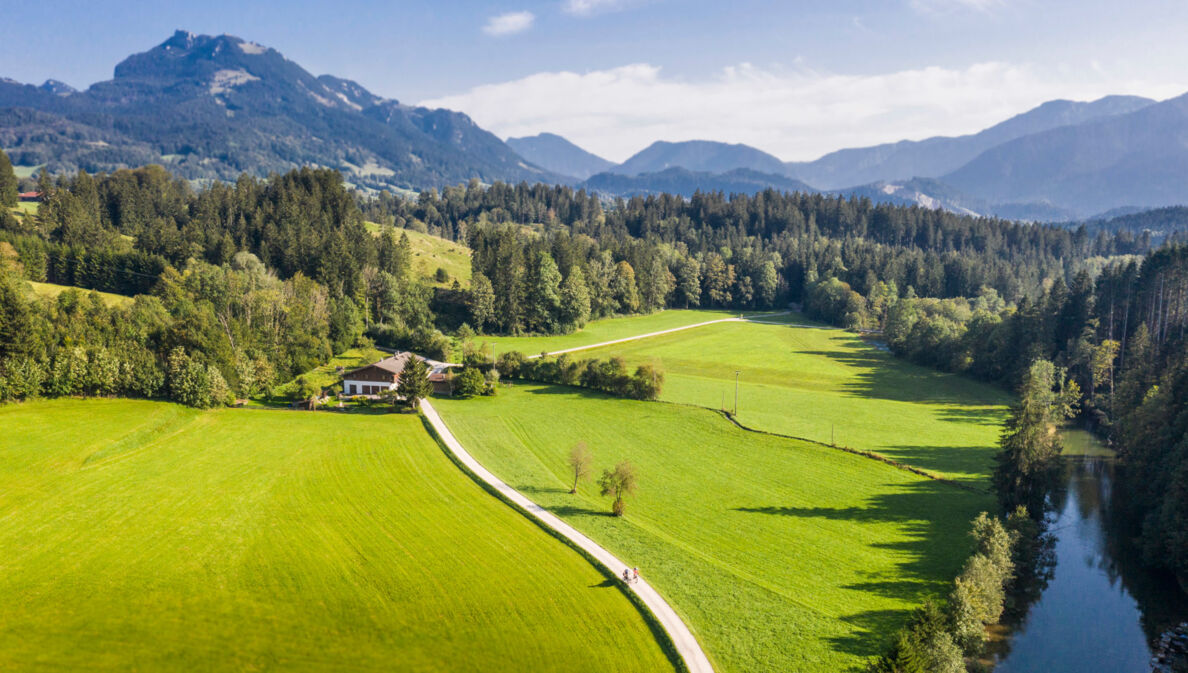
(146,536)
(781,555)
(430,253)
(52,290)
(26,171)
(830,386)
(608,329)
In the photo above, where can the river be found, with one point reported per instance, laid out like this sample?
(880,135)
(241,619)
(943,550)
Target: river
(1101,610)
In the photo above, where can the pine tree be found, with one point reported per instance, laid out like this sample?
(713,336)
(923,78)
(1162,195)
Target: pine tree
(414,382)
(1031,439)
(480,300)
(9,192)
(575,301)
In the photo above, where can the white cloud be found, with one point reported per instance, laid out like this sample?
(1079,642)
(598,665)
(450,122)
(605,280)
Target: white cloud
(795,115)
(509,23)
(588,7)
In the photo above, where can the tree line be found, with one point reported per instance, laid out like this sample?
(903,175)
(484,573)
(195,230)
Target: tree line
(1110,351)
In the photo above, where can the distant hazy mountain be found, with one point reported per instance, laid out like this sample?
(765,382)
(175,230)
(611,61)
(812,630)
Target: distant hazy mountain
(699,156)
(552,152)
(685,182)
(940,155)
(1160,222)
(934,194)
(1135,159)
(213,107)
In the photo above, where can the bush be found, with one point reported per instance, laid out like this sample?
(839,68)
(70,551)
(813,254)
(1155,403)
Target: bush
(610,376)
(469,383)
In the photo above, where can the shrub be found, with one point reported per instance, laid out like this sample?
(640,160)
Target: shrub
(469,383)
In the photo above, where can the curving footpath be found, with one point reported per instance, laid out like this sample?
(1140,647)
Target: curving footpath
(754,319)
(686,645)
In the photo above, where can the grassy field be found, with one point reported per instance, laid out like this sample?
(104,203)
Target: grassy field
(52,290)
(607,329)
(27,207)
(146,536)
(781,555)
(431,253)
(327,375)
(26,171)
(830,386)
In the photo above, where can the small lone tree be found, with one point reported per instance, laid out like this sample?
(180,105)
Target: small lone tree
(307,391)
(617,483)
(580,461)
(414,382)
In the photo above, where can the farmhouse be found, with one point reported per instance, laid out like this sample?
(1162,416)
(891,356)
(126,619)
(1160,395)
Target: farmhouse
(30,196)
(382,376)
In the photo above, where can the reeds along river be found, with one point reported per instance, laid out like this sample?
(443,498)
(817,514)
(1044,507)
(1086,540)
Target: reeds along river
(1101,609)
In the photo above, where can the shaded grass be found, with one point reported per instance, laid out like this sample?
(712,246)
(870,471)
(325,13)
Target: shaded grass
(780,554)
(146,536)
(53,290)
(831,386)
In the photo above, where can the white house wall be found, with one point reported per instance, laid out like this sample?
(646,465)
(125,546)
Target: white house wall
(357,388)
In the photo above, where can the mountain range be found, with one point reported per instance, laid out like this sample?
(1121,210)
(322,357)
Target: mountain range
(213,107)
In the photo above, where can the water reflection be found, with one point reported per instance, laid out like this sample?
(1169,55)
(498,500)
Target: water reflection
(1101,608)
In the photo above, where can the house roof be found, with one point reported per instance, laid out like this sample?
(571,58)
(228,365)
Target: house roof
(396,363)
(392,365)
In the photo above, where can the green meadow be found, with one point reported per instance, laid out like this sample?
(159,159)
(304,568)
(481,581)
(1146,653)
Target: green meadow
(53,290)
(830,386)
(781,555)
(145,536)
(606,329)
(430,253)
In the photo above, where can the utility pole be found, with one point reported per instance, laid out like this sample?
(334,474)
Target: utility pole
(736,373)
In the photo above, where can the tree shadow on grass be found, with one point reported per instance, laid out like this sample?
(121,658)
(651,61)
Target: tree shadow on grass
(607,583)
(574,510)
(882,375)
(541,490)
(949,460)
(932,520)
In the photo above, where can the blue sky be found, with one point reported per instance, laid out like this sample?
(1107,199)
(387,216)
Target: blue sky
(794,78)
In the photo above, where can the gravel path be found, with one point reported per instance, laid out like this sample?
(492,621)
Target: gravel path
(686,644)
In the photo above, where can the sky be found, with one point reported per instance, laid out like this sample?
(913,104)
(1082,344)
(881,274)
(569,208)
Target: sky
(797,78)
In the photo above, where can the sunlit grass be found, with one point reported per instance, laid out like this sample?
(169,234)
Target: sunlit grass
(147,536)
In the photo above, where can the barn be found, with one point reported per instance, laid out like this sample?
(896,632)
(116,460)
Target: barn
(380,377)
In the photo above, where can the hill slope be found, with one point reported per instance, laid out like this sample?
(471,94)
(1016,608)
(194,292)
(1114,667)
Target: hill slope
(677,180)
(701,156)
(554,153)
(1139,158)
(215,106)
(936,156)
